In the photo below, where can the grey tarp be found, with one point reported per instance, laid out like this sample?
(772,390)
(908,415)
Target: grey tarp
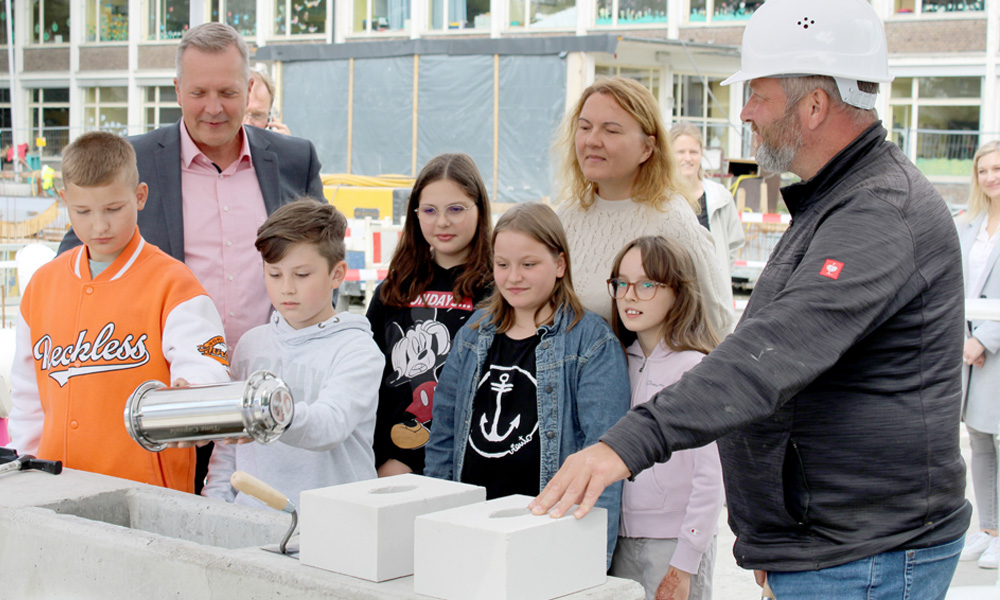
(455,110)
(315,107)
(383,116)
(455,104)
(532,99)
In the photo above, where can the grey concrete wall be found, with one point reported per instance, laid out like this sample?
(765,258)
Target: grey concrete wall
(46,59)
(927,36)
(103,58)
(157,56)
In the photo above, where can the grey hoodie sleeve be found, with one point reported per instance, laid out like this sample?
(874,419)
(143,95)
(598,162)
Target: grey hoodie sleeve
(347,397)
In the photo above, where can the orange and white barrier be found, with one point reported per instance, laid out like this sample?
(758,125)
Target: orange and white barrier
(751,217)
(366,274)
(377,239)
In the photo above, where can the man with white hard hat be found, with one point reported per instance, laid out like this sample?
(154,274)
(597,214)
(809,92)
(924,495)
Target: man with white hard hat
(836,400)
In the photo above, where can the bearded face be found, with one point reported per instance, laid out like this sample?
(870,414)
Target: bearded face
(780,142)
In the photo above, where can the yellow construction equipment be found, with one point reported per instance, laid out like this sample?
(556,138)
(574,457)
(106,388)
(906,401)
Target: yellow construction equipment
(359,196)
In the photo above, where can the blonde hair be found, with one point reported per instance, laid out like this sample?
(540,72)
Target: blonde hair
(99,158)
(540,223)
(686,326)
(658,176)
(694,133)
(979,202)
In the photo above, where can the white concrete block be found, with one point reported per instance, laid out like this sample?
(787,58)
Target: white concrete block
(365,529)
(498,550)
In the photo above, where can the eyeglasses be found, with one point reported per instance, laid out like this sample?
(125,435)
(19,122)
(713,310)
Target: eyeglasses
(644,289)
(455,213)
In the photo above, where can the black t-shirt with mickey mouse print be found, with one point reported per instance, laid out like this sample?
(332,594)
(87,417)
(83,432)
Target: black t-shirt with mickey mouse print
(416,340)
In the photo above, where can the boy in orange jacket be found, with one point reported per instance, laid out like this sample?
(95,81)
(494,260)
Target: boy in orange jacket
(103,318)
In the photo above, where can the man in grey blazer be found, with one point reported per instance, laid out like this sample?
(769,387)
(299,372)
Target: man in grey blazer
(212,181)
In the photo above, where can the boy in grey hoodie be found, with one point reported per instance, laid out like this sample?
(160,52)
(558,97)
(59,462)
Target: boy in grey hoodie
(328,360)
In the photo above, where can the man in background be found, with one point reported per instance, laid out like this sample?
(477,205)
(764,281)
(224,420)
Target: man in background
(261,103)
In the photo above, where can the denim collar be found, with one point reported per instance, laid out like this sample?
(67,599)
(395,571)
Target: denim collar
(562,319)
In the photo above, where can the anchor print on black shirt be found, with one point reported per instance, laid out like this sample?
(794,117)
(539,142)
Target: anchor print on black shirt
(503,448)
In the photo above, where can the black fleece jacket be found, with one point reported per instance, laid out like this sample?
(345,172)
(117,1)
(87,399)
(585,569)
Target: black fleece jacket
(836,400)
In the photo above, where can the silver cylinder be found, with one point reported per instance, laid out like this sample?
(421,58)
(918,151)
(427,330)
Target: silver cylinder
(260,408)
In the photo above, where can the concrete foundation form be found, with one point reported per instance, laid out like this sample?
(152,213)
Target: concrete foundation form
(81,535)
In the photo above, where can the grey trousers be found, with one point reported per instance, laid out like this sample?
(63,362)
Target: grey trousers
(984,475)
(646,560)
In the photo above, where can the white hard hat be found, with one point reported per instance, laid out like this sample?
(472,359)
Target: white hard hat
(792,38)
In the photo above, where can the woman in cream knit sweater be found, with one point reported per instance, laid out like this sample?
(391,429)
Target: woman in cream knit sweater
(619,182)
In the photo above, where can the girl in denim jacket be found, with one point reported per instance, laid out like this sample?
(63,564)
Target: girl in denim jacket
(533,377)
(669,512)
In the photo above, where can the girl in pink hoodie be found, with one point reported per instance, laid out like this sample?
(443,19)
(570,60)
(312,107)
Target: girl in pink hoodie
(666,540)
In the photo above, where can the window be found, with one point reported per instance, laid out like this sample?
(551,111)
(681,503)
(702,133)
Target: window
(6,120)
(935,120)
(300,17)
(107,20)
(382,15)
(714,11)
(462,14)
(3,23)
(543,14)
(240,14)
(704,106)
(49,21)
(937,6)
(106,109)
(649,78)
(160,107)
(631,12)
(48,117)
(167,19)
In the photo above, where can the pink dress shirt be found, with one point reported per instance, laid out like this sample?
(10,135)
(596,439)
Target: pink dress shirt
(222,211)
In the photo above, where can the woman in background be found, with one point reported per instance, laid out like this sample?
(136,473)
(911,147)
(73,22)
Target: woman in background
(977,231)
(717,208)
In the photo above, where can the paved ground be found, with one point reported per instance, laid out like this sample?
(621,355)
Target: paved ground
(733,583)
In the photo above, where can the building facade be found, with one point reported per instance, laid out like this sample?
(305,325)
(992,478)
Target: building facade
(410,78)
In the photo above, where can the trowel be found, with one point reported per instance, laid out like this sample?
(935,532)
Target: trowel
(251,486)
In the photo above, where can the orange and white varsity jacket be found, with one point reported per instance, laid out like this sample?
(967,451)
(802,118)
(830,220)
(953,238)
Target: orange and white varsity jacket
(84,344)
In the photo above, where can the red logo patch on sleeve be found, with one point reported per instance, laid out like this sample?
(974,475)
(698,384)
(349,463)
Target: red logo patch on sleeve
(831,268)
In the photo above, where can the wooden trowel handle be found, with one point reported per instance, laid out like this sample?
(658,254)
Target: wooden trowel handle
(251,486)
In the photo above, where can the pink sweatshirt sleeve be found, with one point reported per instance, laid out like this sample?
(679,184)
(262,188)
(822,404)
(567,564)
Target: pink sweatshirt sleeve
(702,515)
